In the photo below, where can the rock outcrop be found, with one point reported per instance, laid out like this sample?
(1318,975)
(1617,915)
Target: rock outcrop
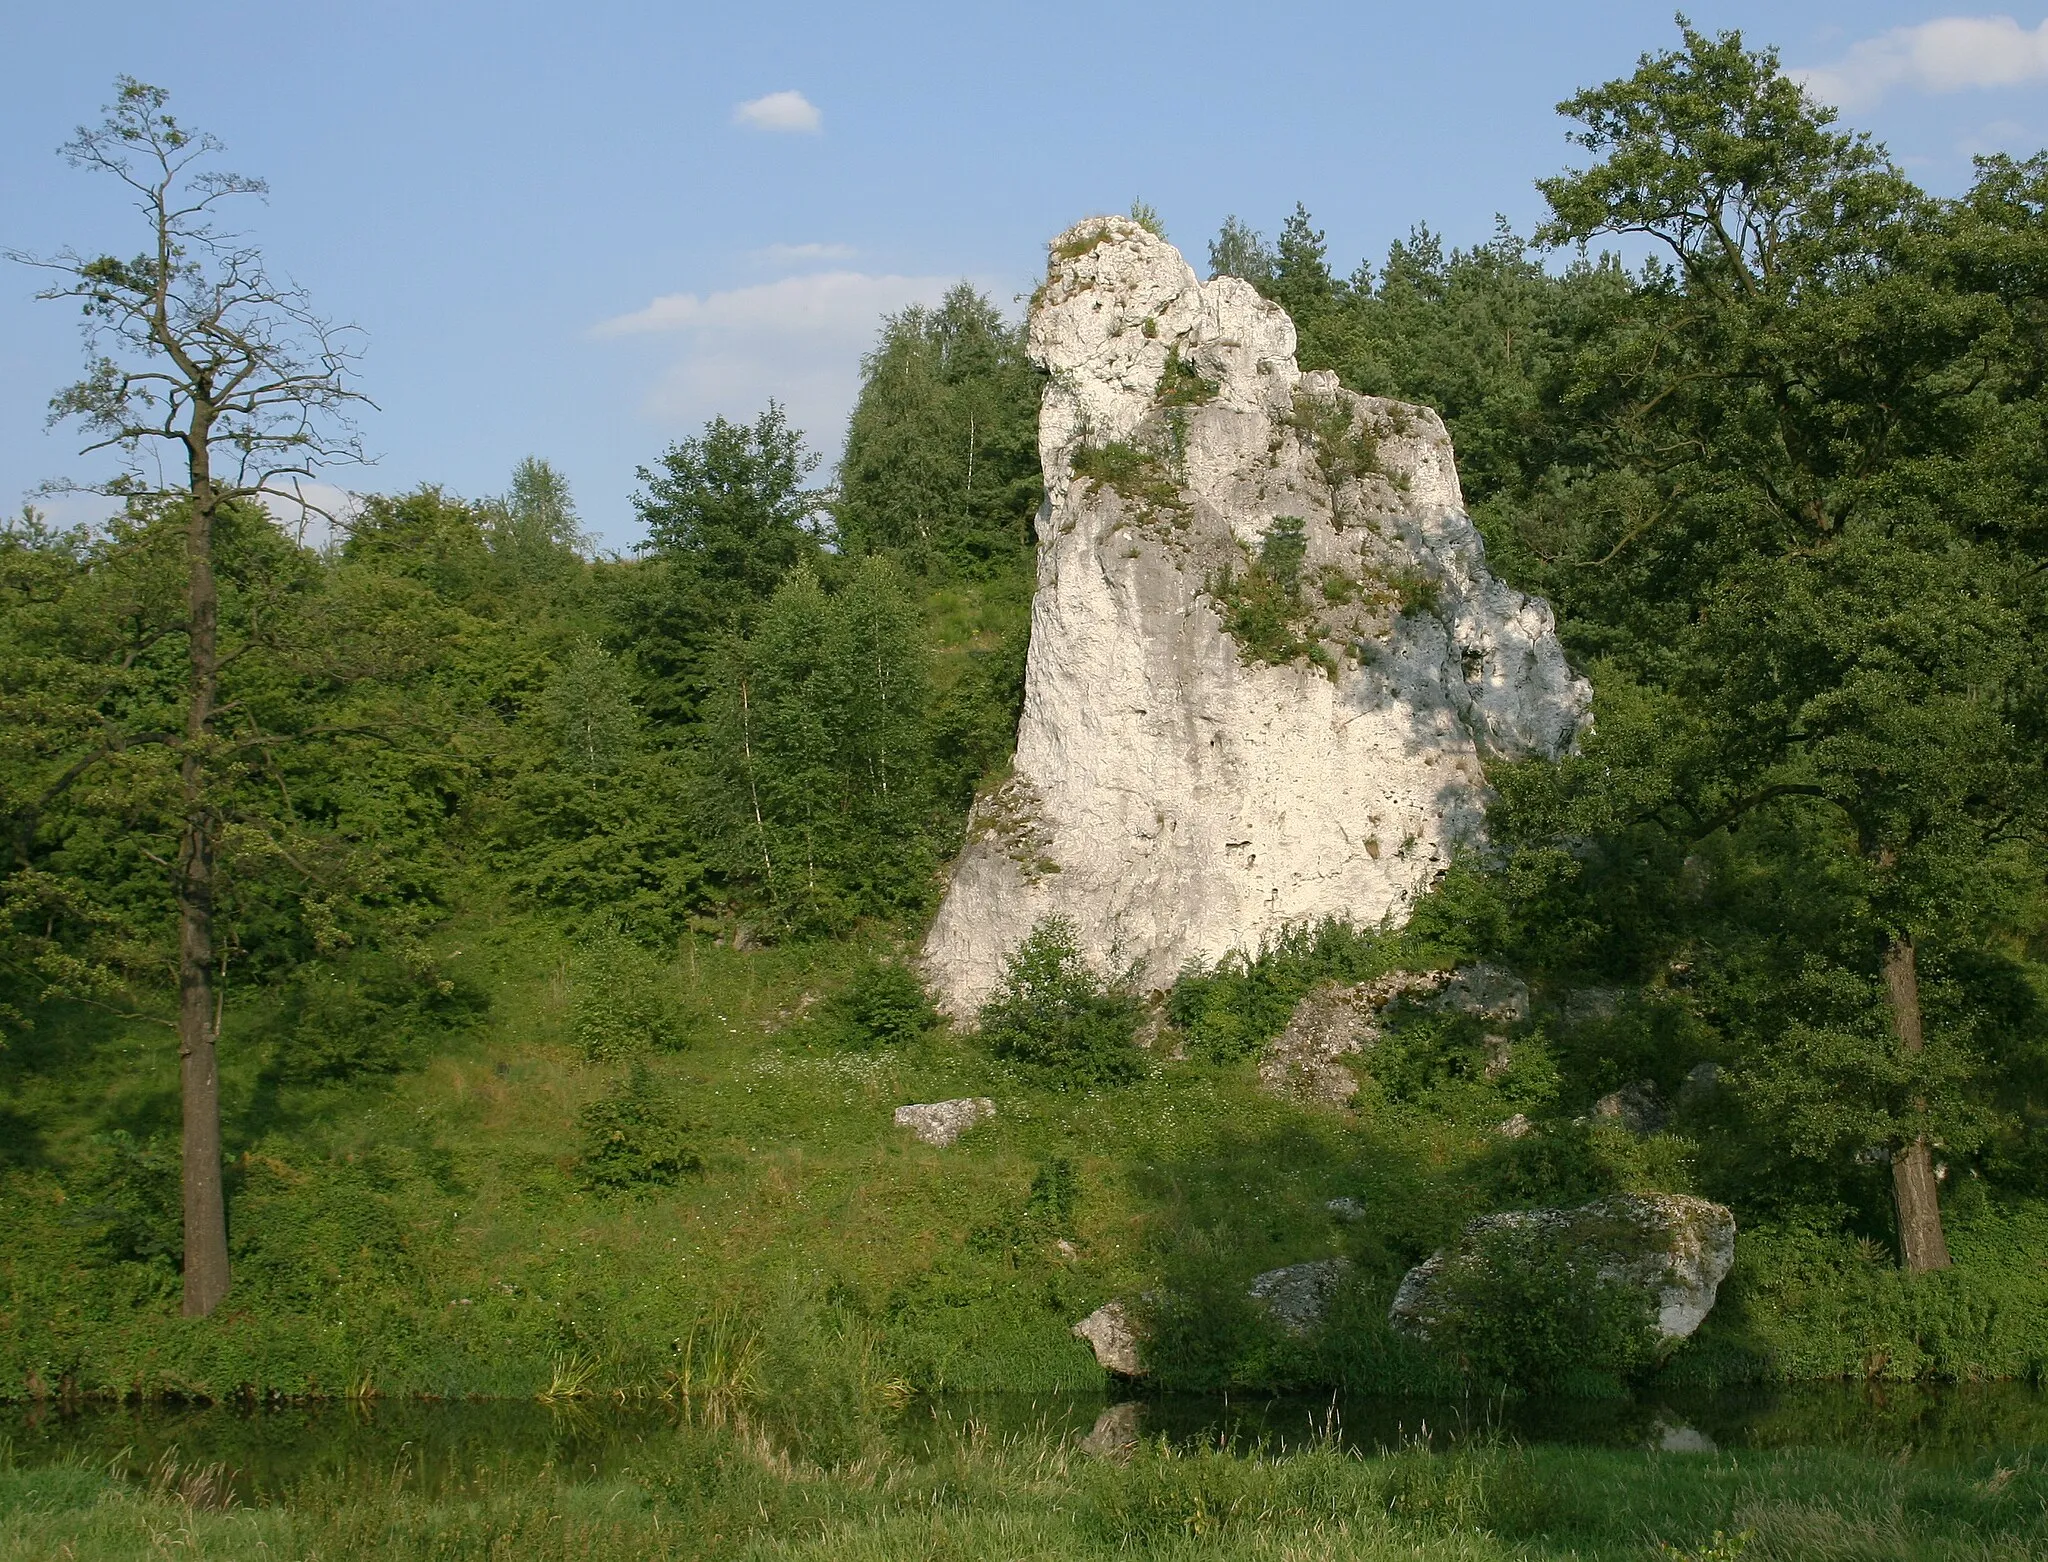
(1675,1248)
(939,1123)
(1183,788)
(1330,1023)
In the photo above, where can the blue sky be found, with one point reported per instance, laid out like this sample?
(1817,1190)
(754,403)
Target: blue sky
(564,235)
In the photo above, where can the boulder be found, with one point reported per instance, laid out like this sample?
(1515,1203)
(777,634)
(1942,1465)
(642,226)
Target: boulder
(1332,1022)
(941,1122)
(1636,1107)
(1177,793)
(1674,1247)
(1110,1333)
(1516,1127)
(1486,992)
(1347,1209)
(1299,1295)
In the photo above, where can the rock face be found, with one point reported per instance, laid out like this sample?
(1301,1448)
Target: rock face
(1174,795)
(1675,1247)
(941,1122)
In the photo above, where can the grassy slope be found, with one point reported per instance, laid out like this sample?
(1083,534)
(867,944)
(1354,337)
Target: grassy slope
(426,1233)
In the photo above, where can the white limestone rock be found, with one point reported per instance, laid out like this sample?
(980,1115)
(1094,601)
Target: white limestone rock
(939,1123)
(1174,798)
(1330,1023)
(1113,1337)
(1674,1247)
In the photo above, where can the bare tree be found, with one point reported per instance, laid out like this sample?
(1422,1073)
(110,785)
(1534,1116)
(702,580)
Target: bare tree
(212,384)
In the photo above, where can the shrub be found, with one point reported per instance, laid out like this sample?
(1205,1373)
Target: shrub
(368,1014)
(634,1138)
(1059,1019)
(620,1003)
(1526,1309)
(885,1005)
(132,1201)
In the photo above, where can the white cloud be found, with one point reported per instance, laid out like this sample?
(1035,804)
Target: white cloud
(1944,55)
(800,254)
(799,340)
(777,111)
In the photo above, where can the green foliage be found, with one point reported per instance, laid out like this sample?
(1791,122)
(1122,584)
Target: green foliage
(620,1002)
(367,1013)
(1134,471)
(1147,217)
(1238,251)
(1181,384)
(727,518)
(588,710)
(1057,1018)
(634,1139)
(817,793)
(1262,605)
(129,1201)
(941,464)
(1526,1309)
(1231,1010)
(884,1005)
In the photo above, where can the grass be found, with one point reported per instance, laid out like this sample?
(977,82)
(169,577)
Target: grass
(435,1231)
(736,1491)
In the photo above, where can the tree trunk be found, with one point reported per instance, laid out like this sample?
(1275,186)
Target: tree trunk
(206,1226)
(1915,1189)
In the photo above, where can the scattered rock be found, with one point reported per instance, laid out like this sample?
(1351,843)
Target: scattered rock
(1591,1003)
(1702,1084)
(1675,1437)
(1066,1250)
(1109,1332)
(941,1122)
(1500,1056)
(1516,1127)
(1487,992)
(1299,1295)
(1346,1209)
(1333,1021)
(1115,1432)
(1674,1246)
(1195,796)
(1636,1107)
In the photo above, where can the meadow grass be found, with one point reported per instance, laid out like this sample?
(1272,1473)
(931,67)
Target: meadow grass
(734,1492)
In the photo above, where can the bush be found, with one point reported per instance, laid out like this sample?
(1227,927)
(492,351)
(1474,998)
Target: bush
(1058,1018)
(133,1207)
(368,1014)
(885,1005)
(1525,1309)
(634,1138)
(621,1004)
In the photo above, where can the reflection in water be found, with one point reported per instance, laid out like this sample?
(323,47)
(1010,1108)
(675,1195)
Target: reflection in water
(436,1447)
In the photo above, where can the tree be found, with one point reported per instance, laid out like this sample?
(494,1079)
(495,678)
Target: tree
(941,462)
(193,348)
(1239,251)
(1805,396)
(535,526)
(727,517)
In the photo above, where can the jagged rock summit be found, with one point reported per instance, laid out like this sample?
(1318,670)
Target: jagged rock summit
(1267,656)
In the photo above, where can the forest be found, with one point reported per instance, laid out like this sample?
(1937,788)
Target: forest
(554,912)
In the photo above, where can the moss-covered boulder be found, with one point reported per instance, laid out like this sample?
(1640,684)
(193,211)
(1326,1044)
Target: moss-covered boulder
(1669,1250)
